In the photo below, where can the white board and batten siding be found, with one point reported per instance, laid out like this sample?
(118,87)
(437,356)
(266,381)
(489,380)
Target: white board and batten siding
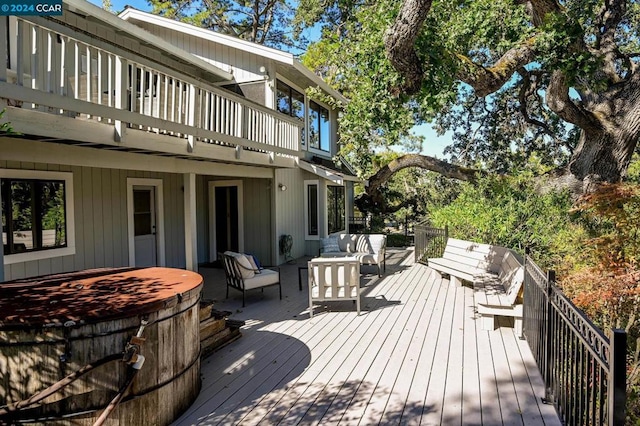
(100,220)
(245,66)
(290,218)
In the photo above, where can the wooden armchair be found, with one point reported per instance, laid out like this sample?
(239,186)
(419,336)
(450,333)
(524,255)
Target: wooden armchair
(243,275)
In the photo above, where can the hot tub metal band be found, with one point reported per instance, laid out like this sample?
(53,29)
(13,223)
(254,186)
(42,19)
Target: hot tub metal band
(92,336)
(130,355)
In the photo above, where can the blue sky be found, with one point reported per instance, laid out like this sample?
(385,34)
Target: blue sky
(433,145)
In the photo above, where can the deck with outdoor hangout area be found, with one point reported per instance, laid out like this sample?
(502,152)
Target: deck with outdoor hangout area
(417,354)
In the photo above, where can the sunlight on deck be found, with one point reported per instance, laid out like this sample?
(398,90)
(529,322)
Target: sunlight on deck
(416,355)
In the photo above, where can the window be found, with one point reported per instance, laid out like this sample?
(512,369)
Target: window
(37,215)
(311,209)
(290,102)
(33,215)
(319,133)
(335,209)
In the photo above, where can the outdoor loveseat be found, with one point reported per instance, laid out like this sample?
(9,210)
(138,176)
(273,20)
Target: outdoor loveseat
(369,249)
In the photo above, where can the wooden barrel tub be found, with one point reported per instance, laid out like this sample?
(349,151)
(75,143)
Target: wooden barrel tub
(54,326)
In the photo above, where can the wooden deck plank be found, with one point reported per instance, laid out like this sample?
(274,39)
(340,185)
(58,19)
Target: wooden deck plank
(548,412)
(433,402)
(297,412)
(471,412)
(388,402)
(509,407)
(279,397)
(452,404)
(330,396)
(524,392)
(416,349)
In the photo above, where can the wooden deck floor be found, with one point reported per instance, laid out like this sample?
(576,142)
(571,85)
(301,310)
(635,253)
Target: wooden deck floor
(415,355)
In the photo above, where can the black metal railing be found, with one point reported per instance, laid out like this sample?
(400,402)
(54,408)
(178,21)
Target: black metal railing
(583,370)
(359,224)
(429,242)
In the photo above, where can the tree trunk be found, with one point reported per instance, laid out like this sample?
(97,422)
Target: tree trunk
(604,156)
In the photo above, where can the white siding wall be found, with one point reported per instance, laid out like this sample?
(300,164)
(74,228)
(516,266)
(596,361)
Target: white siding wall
(290,210)
(245,66)
(100,204)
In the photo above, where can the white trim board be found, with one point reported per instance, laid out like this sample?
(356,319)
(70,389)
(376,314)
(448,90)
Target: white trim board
(159,197)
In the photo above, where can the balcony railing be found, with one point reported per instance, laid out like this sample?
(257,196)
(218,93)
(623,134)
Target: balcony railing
(57,70)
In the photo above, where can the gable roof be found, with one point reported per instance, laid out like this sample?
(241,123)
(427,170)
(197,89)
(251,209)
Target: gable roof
(112,22)
(281,58)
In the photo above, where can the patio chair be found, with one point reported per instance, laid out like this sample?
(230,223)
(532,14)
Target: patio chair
(243,274)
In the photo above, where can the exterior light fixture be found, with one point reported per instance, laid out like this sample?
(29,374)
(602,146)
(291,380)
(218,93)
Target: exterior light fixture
(282,187)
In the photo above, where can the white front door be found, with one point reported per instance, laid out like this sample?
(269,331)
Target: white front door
(144,226)
(146,245)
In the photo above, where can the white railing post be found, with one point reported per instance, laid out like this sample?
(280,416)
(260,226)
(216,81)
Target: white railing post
(20,53)
(4,20)
(190,222)
(191,113)
(120,94)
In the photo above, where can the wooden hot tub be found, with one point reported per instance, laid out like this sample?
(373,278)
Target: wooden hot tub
(54,326)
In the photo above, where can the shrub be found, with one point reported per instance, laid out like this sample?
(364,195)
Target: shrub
(508,211)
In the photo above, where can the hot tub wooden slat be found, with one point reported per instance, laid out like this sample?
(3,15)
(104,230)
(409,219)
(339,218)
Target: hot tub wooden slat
(168,382)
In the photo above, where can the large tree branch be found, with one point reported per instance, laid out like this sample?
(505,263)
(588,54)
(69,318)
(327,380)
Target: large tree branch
(399,42)
(530,88)
(559,101)
(486,80)
(374,201)
(424,162)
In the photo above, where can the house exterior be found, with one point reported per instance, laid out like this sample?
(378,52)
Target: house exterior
(143,141)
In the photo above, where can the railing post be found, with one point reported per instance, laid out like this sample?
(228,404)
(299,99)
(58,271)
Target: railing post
(548,335)
(525,307)
(191,115)
(617,386)
(120,94)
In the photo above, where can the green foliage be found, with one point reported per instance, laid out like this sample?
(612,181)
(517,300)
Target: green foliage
(511,213)
(265,22)
(5,127)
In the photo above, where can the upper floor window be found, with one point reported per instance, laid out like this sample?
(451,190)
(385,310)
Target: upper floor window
(319,133)
(290,101)
(34,215)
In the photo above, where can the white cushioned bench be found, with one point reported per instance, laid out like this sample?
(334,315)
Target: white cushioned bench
(496,273)
(369,249)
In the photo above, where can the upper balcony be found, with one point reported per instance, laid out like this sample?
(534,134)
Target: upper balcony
(101,81)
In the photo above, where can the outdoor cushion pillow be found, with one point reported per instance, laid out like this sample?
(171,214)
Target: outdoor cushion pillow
(330,244)
(246,270)
(254,264)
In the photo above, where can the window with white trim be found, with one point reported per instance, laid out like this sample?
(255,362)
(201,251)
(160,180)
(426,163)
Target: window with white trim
(311,209)
(335,209)
(36,214)
(319,127)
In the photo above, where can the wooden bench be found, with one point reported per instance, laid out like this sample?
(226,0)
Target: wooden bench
(496,273)
(466,260)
